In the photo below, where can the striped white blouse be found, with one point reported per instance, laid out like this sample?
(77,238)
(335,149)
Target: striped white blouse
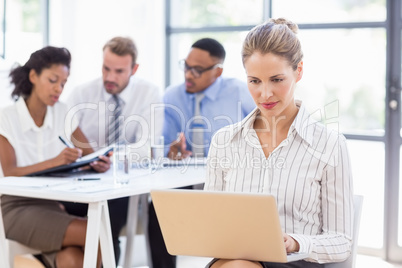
(309,173)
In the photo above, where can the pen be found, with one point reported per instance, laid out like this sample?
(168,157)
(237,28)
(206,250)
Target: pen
(65,143)
(87,179)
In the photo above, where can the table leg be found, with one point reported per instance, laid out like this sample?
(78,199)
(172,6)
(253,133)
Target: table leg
(4,260)
(98,228)
(106,240)
(131,229)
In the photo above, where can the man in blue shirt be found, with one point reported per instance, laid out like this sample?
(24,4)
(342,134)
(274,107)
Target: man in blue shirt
(225,100)
(222,101)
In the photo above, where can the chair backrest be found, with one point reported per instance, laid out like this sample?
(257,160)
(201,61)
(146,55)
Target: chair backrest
(350,262)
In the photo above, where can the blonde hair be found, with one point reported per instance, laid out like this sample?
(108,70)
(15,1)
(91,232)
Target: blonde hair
(276,36)
(123,46)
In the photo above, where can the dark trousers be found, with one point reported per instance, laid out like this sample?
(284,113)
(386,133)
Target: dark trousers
(160,257)
(118,218)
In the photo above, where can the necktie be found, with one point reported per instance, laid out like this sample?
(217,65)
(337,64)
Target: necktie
(114,122)
(198,128)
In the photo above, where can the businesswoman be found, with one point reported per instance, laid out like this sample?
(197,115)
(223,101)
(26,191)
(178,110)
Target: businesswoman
(278,149)
(29,142)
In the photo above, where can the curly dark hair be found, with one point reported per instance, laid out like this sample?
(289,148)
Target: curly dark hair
(39,60)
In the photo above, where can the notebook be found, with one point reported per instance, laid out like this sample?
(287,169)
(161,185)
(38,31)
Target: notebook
(221,225)
(73,168)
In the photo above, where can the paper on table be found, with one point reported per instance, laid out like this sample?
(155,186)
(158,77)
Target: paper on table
(56,184)
(84,187)
(36,182)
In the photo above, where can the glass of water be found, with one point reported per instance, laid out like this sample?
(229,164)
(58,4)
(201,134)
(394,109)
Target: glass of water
(157,153)
(121,164)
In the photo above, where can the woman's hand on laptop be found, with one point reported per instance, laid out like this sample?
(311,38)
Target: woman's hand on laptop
(291,244)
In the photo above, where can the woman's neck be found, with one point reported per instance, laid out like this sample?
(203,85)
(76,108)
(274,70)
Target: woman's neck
(272,130)
(37,110)
(278,123)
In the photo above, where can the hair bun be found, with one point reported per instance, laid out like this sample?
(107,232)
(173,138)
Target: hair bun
(292,26)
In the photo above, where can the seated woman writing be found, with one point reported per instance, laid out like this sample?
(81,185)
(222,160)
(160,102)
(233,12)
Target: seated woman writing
(29,142)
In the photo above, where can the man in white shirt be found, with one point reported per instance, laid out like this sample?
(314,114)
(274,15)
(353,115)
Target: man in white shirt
(94,104)
(118,94)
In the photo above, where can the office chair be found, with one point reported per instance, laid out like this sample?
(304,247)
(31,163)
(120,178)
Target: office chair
(350,262)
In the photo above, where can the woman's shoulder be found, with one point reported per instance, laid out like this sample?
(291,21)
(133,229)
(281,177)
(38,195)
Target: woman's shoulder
(325,143)
(9,119)
(312,127)
(8,109)
(11,110)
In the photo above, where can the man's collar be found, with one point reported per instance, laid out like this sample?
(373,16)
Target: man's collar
(212,91)
(124,95)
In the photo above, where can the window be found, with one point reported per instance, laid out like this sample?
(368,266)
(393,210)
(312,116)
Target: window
(24,31)
(347,66)
(204,13)
(24,28)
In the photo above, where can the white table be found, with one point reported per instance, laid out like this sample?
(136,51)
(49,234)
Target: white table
(96,194)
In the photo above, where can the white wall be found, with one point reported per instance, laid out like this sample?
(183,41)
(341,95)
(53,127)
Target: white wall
(83,26)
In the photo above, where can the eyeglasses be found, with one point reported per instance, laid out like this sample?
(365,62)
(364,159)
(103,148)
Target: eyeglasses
(196,71)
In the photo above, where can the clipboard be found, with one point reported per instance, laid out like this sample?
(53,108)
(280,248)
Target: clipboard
(75,166)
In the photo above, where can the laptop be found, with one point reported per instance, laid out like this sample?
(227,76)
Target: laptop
(221,225)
